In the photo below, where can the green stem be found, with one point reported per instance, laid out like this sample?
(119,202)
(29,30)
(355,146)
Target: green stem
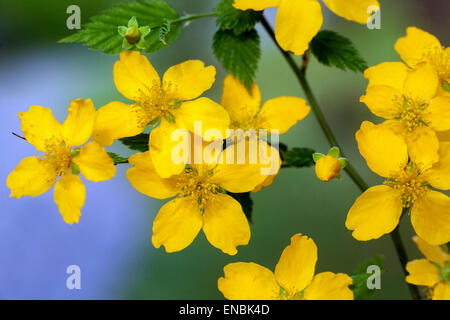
(194,17)
(357,179)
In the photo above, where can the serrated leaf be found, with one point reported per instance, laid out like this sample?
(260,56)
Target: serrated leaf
(299,158)
(138,143)
(102,32)
(360,276)
(238,21)
(245,201)
(239,55)
(117,159)
(332,49)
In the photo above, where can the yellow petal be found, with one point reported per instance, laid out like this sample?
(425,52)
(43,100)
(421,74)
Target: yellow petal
(32,177)
(78,127)
(329,286)
(248,281)
(39,127)
(297,23)
(441,291)
(177,224)
(437,114)
(443,135)
(225,224)
(94,163)
(430,217)
(295,269)
(353,10)
(439,175)
(257,5)
(163,144)
(423,147)
(271,158)
(116,120)
(421,84)
(432,253)
(375,213)
(382,101)
(69,195)
(414,48)
(188,80)
(144,178)
(208,115)
(240,104)
(422,273)
(327,168)
(390,74)
(133,74)
(384,151)
(282,113)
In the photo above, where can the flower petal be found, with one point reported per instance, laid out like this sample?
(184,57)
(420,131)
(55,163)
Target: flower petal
(32,177)
(94,163)
(423,147)
(384,151)
(414,48)
(69,195)
(329,286)
(437,114)
(188,80)
(208,115)
(78,127)
(432,253)
(255,5)
(282,113)
(134,74)
(375,213)
(241,106)
(421,84)
(144,178)
(439,175)
(422,273)
(225,224)
(382,101)
(39,126)
(116,120)
(297,23)
(390,74)
(295,269)
(441,291)
(430,217)
(248,281)
(177,224)
(353,10)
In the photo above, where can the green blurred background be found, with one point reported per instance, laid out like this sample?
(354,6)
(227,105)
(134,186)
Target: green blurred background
(296,202)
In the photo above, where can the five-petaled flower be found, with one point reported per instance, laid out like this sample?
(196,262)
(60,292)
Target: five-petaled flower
(293,279)
(409,182)
(432,272)
(62,157)
(298,21)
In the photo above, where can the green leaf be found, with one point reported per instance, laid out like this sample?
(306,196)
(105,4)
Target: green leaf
(117,159)
(239,55)
(238,21)
(332,49)
(246,203)
(360,276)
(102,33)
(138,143)
(299,158)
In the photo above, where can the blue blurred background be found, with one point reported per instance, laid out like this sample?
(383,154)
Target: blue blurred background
(111,244)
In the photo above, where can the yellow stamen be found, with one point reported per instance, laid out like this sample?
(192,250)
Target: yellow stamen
(409,183)
(58,155)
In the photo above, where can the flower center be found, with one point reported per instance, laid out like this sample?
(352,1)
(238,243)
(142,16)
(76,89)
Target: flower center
(409,183)
(411,114)
(194,185)
(440,59)
(58,155)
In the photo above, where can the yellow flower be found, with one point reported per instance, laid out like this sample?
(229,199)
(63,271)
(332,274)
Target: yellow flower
(36,175)
(432,272)
(408,184)
(409,99)
(298,21)
(327,168)
(293,278)
(246,114)
(157,101)
(200,201)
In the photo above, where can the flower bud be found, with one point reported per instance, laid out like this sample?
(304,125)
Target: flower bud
(133,35)
(327,168)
